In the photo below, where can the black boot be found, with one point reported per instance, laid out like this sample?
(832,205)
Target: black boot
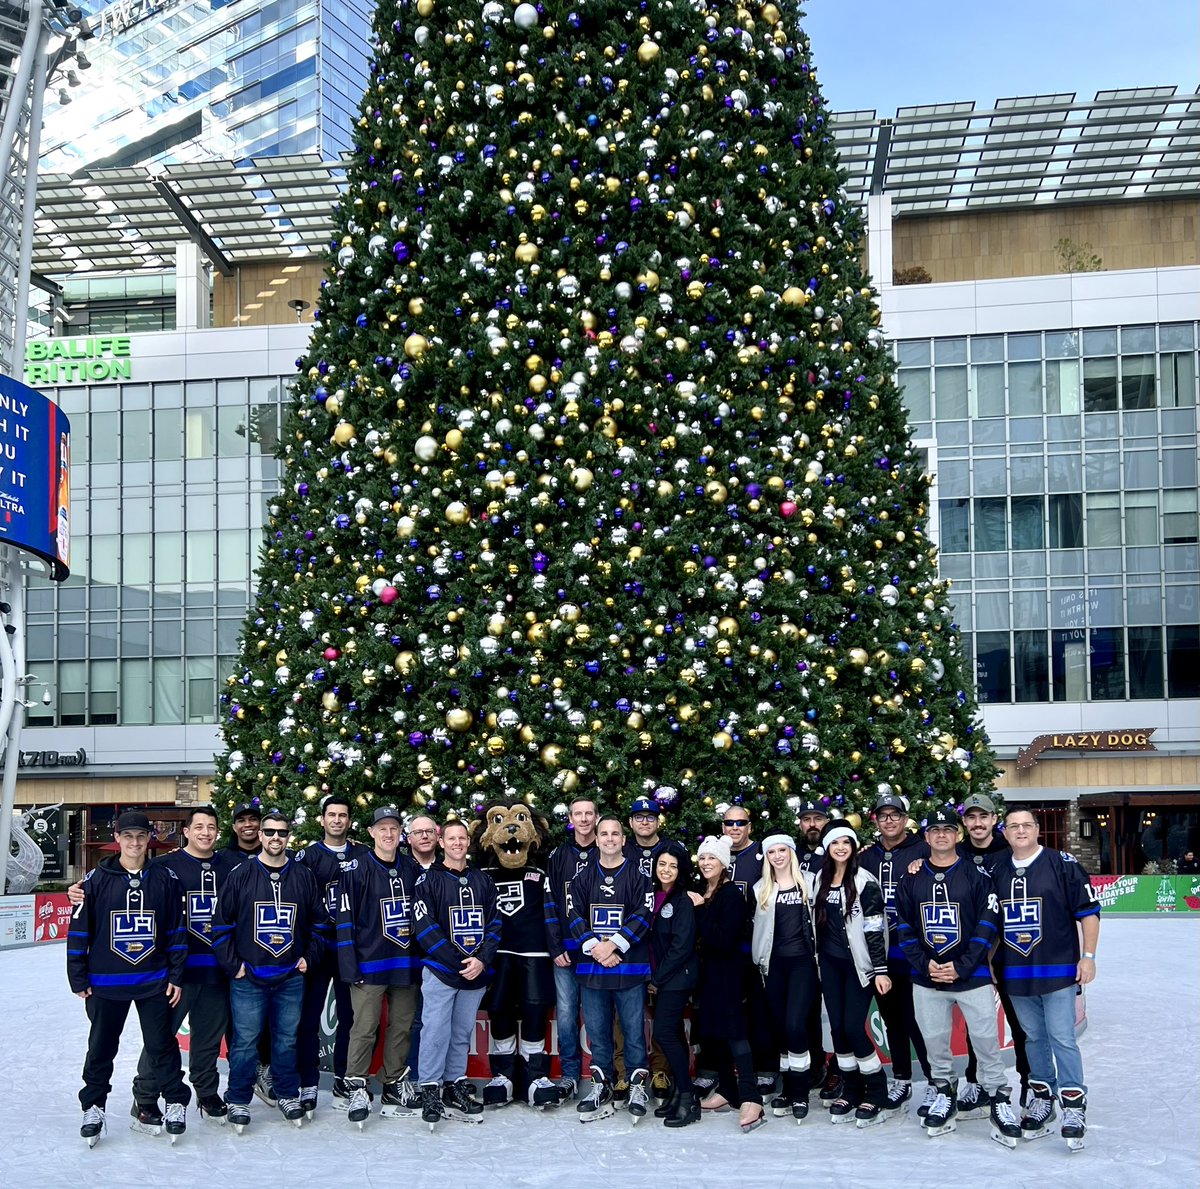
(669,1104)
(687,1110)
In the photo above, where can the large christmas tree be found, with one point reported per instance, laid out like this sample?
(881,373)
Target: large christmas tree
(597,479)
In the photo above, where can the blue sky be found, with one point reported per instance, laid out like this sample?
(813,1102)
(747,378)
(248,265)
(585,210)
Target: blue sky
(883,54)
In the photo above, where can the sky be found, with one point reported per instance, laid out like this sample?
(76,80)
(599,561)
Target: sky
(883,54)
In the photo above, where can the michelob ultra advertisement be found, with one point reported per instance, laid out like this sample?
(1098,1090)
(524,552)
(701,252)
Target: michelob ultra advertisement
(35,475)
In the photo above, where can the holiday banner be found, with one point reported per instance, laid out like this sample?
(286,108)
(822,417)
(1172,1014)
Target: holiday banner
(1147,893)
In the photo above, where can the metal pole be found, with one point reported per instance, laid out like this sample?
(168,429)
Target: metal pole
(32,142)
(12,699)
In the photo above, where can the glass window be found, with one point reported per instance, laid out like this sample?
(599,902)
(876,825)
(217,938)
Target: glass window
(201,689)
(200,556)
(1099,385)
(106,437)
(168,690)
(233,555)
(1178,380)
(1101,471)
(72,695)
(1028,529)
(168,559)
(135,636)
(950,351)
(1103,521)
(135,440)
(1182,603)
(1030,609)
(992,611)
(1141,469)
(106,560)
(991,527)
(1025,389)
(102,635)
(1065,472)
(1183,662)
(1137,382)
(987,348)
(955,526)
(992,667)
(987,390)
(168,434)
(231,431)
(1069,665)
(1031,666)
(1026,473)
(991,475)
(913,353)
(135,559)
(1141,518)
(1099,342)
(1179,517)
(1176,336)
(950,393)
(953,477)
(228,631)
(198,433)
(1179,468)
(1066,521)
(1145,662)
(1062,386)
(1107,664)
(1143,604)
(102,692)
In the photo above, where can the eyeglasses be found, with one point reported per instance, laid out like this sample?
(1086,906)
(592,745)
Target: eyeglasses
(888,817)
(274,833)
(644,817)
(736,824)
(421,833)
(1021,826)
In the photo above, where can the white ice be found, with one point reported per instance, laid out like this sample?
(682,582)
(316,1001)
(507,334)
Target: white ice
(1141,1055)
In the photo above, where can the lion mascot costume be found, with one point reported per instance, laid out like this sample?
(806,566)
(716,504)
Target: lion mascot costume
(509,843)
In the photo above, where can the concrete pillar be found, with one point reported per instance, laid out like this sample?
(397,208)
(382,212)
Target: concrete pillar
(192,306)
(879,244)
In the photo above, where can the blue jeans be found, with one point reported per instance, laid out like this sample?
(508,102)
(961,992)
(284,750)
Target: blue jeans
(251,1005)
(447,1022)
(1049,1025)
(630,1006)
(566,992)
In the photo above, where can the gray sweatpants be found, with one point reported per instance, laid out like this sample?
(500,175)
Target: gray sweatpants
(447,1021)
(933,1011)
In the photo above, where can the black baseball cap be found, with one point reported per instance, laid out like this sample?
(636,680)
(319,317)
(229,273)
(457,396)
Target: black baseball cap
(385,813)
(133,819)
(248,809)
(942,815)
(812,807)
(890,801)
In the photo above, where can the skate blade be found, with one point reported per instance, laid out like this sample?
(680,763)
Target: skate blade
(978,1113)
(397,1112)
(340,1104)
(92,1140)
(360,1123)
(462,1117)
(604,1112)
(1009,1141)
(497,1106)
(145,1128)
(311,1115)
(219,1120)
(297,1122)
(1075,1144)
(1039,1134)
(875,1121)
(781,1112)
(837,1120)
(944,1129)
(240,1127)
(174,1140)
(747,1128)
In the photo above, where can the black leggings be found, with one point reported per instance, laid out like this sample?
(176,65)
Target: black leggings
(734,1064)
(791,989)
(847,1002)
(668,1035)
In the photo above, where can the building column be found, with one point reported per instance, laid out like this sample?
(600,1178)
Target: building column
(879,244)
(192,306)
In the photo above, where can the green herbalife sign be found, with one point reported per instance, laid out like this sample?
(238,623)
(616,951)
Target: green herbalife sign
(78,361)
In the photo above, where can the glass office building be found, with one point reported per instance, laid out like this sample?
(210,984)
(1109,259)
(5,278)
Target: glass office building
(187,80)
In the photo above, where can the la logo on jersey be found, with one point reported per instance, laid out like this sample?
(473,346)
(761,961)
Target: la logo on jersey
(940,922)
(466,926)
(200,908)
(510,898)
(1023,924)
(274,925)
(394,920)
(132,935)
(607,919)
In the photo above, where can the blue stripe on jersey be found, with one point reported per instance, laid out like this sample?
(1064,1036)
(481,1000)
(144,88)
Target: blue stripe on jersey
(387,964)
(445,969)
(195,960)
(1088,912)
(138,979)
(347,944)
(1032,972)
(625,968)
(269,973)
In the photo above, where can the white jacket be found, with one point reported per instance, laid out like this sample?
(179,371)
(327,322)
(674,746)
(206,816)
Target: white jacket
(763,938)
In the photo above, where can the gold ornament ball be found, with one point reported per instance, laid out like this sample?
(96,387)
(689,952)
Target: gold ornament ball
(457,512)
(793,296)
(415,346)
(728,626)
(496,745)
(330,701)
(454,438)
(581,478)
(404,662)
(343,433)
(550,755)
(859,656)
(424,7)
(311,792)
(647,53)
(459,719)
(695,290)
(854,821)
(722,741)
(527,253)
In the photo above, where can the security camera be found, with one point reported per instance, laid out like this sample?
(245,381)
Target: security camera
(46,697)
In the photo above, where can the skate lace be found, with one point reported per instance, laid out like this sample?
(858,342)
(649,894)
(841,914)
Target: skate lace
(596,1093)
(176,1112)
(970,1097)
(429,1098)
(94,1114)
(1039,1109)
(358,1098)
(940,1105)
(897,1092)
(1072,1116)
(289,1104)
(501,1080)
(1003,1113)
(929,1097)
(637,1094)
(408,1093)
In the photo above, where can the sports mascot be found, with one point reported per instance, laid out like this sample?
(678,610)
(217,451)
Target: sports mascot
(508,843)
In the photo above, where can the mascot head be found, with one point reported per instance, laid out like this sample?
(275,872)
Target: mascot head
(509,835)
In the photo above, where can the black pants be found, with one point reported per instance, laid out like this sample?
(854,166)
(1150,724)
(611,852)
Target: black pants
(668,1035)
(734,1064)
(518,1033)
(904,1036)
(308,1043)
(847,1002)
(791,990)
(758,1020)
(206,1008)
(108,1017)
(1018,1038)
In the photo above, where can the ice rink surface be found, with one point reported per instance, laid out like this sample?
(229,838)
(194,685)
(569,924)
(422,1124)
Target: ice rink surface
(1141,1054)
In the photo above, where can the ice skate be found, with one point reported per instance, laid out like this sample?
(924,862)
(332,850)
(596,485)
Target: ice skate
(292,1111)
(751,1117)
(432,1111)
(638,1097)
(1006,1129)
(1074,1117)
(781,1105)
(400,1099)
(1039,1114)
(800,1109)
(598,1104)
(94,1125)
(543,1093)
(264,1086)
(176,1120)
(498,1092)
(940,1118)
(359,1106)
(973,1103)
(308,1100)
(869,1114)
(212,1106)
(239,1117)
(899,1095)
(147,1118)
(660,1086)
(927,1097)
(567,1088)
(460,1102)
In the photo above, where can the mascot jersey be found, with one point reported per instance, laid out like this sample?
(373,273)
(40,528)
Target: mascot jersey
(527,910)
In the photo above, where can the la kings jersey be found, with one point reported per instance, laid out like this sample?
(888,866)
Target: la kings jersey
(201,881)
(889,867)
(527,910)
(566,862)
(375,942)
(1041,901)
(455,916)
(612,904)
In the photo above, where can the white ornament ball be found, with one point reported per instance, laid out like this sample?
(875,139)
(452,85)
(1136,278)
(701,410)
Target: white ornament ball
(526,16)
(425,448)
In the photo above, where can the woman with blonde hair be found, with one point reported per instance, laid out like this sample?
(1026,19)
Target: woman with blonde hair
(784,948)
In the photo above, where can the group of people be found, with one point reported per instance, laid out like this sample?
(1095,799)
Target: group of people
(246,941)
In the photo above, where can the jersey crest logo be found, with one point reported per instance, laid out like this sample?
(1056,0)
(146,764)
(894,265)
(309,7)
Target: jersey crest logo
(510,898)
(466,926)
(393,915)
(200,908)
(132,935)
(742,886)
(274,926)
(607,919)
(940,922)
(1022,925)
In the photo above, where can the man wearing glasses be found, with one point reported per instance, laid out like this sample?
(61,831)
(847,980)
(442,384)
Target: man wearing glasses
(888,859)
(422,838)
(269,927)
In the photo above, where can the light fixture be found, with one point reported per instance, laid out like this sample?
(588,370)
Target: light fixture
(1087,828)
(299,305)
(64,97)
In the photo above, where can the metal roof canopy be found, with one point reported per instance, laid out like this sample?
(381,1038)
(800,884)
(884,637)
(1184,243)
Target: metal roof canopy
(1140,142)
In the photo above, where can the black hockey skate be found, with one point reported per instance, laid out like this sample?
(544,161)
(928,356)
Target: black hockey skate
(543,1093)
(147,1118)
(432,1111)
(973,1103)
(567,1088)
(939,1120)
(264,1086)
(292,1111)
(212,1106)
(498,1092)
(399,1100)
(94,1125)
(639,1098)
(308,1100)
(176,1120)
(1006,1129)
(1039,1114)
(359,1106)
(598,1103)
(460,1102)
(239,1116)
(1074,1117)
(898,1096)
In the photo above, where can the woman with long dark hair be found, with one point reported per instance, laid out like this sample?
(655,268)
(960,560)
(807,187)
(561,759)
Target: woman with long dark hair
(784,949)
(672,977)
(852,942)
(721,919)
